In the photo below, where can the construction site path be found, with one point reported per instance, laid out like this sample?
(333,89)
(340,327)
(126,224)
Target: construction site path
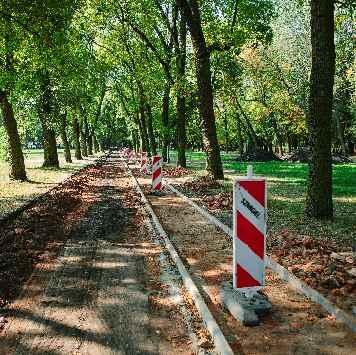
(93,298)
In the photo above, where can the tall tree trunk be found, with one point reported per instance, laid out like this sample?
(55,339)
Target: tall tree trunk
(45,112)
(340,133)
(63,131)
(191,12)
(226,133)
(239,135)
(76,137)
(88,138)
(95,143)
(90,144)
(83,139)
(16,158)
(165,122)
(150,132)
(249,129)
(144,136)
(180,99)
(17,164)
(319,193)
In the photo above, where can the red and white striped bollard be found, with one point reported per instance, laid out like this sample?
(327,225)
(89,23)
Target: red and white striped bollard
(249,242)
(157,173)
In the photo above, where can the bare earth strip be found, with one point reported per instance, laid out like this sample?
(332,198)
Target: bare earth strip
(296,325)
(93,299)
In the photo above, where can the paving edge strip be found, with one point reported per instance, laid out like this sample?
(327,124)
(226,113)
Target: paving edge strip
(280,270)
(221,345)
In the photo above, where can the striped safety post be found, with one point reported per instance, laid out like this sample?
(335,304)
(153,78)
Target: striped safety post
(157,173)
(249,223)
(130,155)
(143,162)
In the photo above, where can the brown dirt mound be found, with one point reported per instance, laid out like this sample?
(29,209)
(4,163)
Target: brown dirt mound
(303,155)
(221,201)
(320,263)
(176,172)
(259,155)
(39,231)
(201,185)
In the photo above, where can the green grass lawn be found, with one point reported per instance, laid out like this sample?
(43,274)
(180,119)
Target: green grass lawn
(286,195)
(14,194)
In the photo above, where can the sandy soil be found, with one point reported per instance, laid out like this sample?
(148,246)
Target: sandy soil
(296,325)
(103,293)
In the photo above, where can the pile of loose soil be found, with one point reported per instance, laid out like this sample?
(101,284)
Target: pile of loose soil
(303,155)
(39,231)
(259,155)
(200,185)
(220,201)
(176,172)
(322,264)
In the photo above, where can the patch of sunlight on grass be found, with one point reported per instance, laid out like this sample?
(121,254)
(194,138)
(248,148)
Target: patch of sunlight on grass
(287,199)
(287,184)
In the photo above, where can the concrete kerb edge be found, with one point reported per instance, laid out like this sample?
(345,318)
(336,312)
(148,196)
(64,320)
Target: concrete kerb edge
(221,345)
(281,271)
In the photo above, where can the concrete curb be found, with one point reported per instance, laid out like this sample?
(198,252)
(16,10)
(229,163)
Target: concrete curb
(221,345)
(281,271)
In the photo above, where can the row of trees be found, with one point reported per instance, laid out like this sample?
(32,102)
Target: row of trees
(232,74)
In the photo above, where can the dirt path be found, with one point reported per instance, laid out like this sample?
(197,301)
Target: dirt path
(94,298)
(296,325)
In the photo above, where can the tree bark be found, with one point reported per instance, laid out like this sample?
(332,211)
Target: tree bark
(17,164)
(144,136)
(76,137)
(45,112)
(16,158)
(90,144)
(88,136)
(95,143)
(83,139)
(63,131)
(180,99)
(165,122)
(239,135)
(150,132)
(226,133)
(319,192)
(191,11)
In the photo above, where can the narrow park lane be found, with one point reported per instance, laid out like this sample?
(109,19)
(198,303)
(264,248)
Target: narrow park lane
(94,298)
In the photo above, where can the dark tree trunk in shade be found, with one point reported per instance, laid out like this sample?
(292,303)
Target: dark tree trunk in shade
(95,143)
(226,133)
(16,158)
(76,137)
(88,138)
(45,114)
(239,134)
(137,119)
(180,99)
(83,139)
(150,132)
(319,192)
(144,137)
(90,144)
(63,131)
(191,12)
(165,122)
